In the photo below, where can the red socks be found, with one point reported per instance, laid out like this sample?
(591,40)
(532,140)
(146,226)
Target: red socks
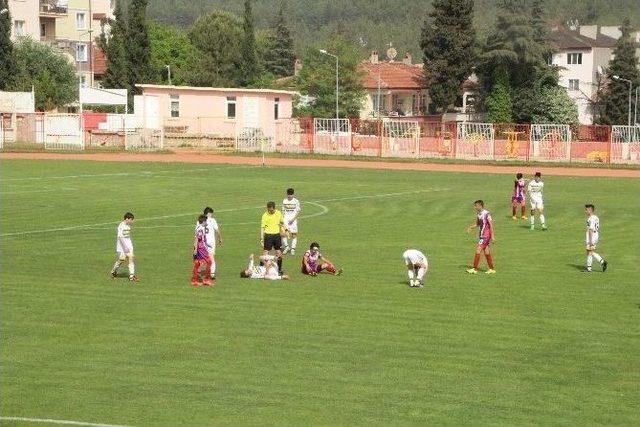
(195,273)
(489,260)
(523,210)
(330,268)
(476,261)
(513,210)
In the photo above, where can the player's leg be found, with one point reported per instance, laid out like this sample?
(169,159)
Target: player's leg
(513,208)
(476,258)
(195,273)
(542,220)
(132,268)
(119,260)
(589,259)
(212,259)
(410,272)
(599,258)
(489,257)
(206,279)
(532,218)
(422,270)
(294,242)
(523,209)
(285,242)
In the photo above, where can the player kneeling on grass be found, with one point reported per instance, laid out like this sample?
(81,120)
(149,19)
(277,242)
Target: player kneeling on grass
(486,236)
(201,256)
(124,248)
(268,270)
(313,262)
(592,237)
(417,266)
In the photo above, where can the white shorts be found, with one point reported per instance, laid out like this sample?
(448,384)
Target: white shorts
(211,248)
(413,257)
(122,252)
(594,240)
(292,228)
(536,204)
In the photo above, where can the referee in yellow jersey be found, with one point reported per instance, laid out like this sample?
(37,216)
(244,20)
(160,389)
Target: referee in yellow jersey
(271,230)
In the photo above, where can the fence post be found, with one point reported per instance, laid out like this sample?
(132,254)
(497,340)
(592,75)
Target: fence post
(609,143)
(380,137)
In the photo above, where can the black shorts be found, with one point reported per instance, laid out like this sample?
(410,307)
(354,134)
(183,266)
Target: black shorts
(272,241)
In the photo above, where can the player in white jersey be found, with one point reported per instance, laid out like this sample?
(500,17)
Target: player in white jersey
(213,238)
(124,248)
(591,238)
(534,188)
(291,210)
(267,270)
(417,266)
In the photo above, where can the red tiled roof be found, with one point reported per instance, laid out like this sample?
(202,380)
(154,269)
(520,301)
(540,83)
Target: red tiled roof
(99,61)
(393,75)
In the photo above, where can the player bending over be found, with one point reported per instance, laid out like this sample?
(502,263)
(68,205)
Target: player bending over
(124,248)
(313,262)
(417,266)
(535,195)
(267,271)
(592,237)
(486,235)
(291,210)
(201,255)
(212,236)
(518,198)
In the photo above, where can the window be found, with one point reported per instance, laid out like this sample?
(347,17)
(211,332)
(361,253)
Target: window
(378,102)
(175,105)
(81,52)
(18,28)
(574,58)
(43,30)
(81,22)
(231,107)
(276,109)
(83,80)
(574,84)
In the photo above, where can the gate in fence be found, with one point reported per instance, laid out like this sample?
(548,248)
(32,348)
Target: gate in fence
(332,136)
(143,139)
(550,142)
(400,138)
(253,139)
(625,144)
(475,140)
(63,132)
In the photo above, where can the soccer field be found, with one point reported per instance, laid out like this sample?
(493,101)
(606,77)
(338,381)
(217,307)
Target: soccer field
(537,343)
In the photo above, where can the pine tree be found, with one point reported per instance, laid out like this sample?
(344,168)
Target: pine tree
(615,98)
(138,44)
(249,64)
(112,45)
(7,55)
(499,103)
(447,43)
(280,56)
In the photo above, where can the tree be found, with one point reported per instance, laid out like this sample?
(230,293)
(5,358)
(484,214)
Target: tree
(615,97)
(170,46)
(52,75)
(7,56)
(249,64)
(112,44)
(546,104)
(280,56)
(217,37)
(138,44)
(448,40)
(317,79)
(499,103)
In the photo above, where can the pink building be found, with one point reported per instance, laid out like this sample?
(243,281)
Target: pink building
(213,111)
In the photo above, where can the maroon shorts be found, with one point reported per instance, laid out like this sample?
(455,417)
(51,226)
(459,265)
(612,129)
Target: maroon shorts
(517,199)
(484,242)
(318,269)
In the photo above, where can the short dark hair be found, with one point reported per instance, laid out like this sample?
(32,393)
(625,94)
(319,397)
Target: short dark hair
(538,174)
(314,245)
(589,206)
(289,191)
(271,205)
(208,210)
(479,202)
(518,175)
(128,215)
(202,219)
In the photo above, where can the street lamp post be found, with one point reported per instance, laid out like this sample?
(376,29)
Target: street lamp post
(635,110)
(169,73)
(337,80)
(630,88)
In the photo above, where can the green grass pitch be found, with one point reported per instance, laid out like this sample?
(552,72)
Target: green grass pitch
(538,343)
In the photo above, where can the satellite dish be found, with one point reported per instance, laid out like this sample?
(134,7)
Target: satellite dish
(392,53)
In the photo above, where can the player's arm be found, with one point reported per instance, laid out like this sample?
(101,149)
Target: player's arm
(492,228)
(195,244)
(281,224)
(218,235)
(471,227)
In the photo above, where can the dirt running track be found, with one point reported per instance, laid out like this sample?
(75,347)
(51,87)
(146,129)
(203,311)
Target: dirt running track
(196,157)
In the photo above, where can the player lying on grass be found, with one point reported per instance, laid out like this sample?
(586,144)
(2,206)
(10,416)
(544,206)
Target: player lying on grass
(313,262)
(518,198)
(592,237)
(268,269)
(486,236)
(291,210)
(417,266)
(534,188)
(124,248)
(201,256)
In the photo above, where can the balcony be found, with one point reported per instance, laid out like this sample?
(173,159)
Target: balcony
(53,8)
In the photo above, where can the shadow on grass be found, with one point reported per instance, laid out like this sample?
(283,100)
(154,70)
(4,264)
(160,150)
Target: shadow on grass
(578,267)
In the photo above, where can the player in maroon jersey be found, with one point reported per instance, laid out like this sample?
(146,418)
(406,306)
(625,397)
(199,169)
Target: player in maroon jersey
(313,262)
(518,197)
(486,236)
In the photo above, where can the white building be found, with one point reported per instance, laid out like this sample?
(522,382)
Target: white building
(581,54)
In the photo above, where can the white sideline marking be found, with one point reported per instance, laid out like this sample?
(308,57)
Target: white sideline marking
(4,193)
(65,422)
(316,202)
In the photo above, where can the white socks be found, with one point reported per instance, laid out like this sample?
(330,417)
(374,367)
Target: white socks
(285,242)
(532,218)
(132,268)
(542,219)
(213,267)
(589,261)
(294,243)
(116,266)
